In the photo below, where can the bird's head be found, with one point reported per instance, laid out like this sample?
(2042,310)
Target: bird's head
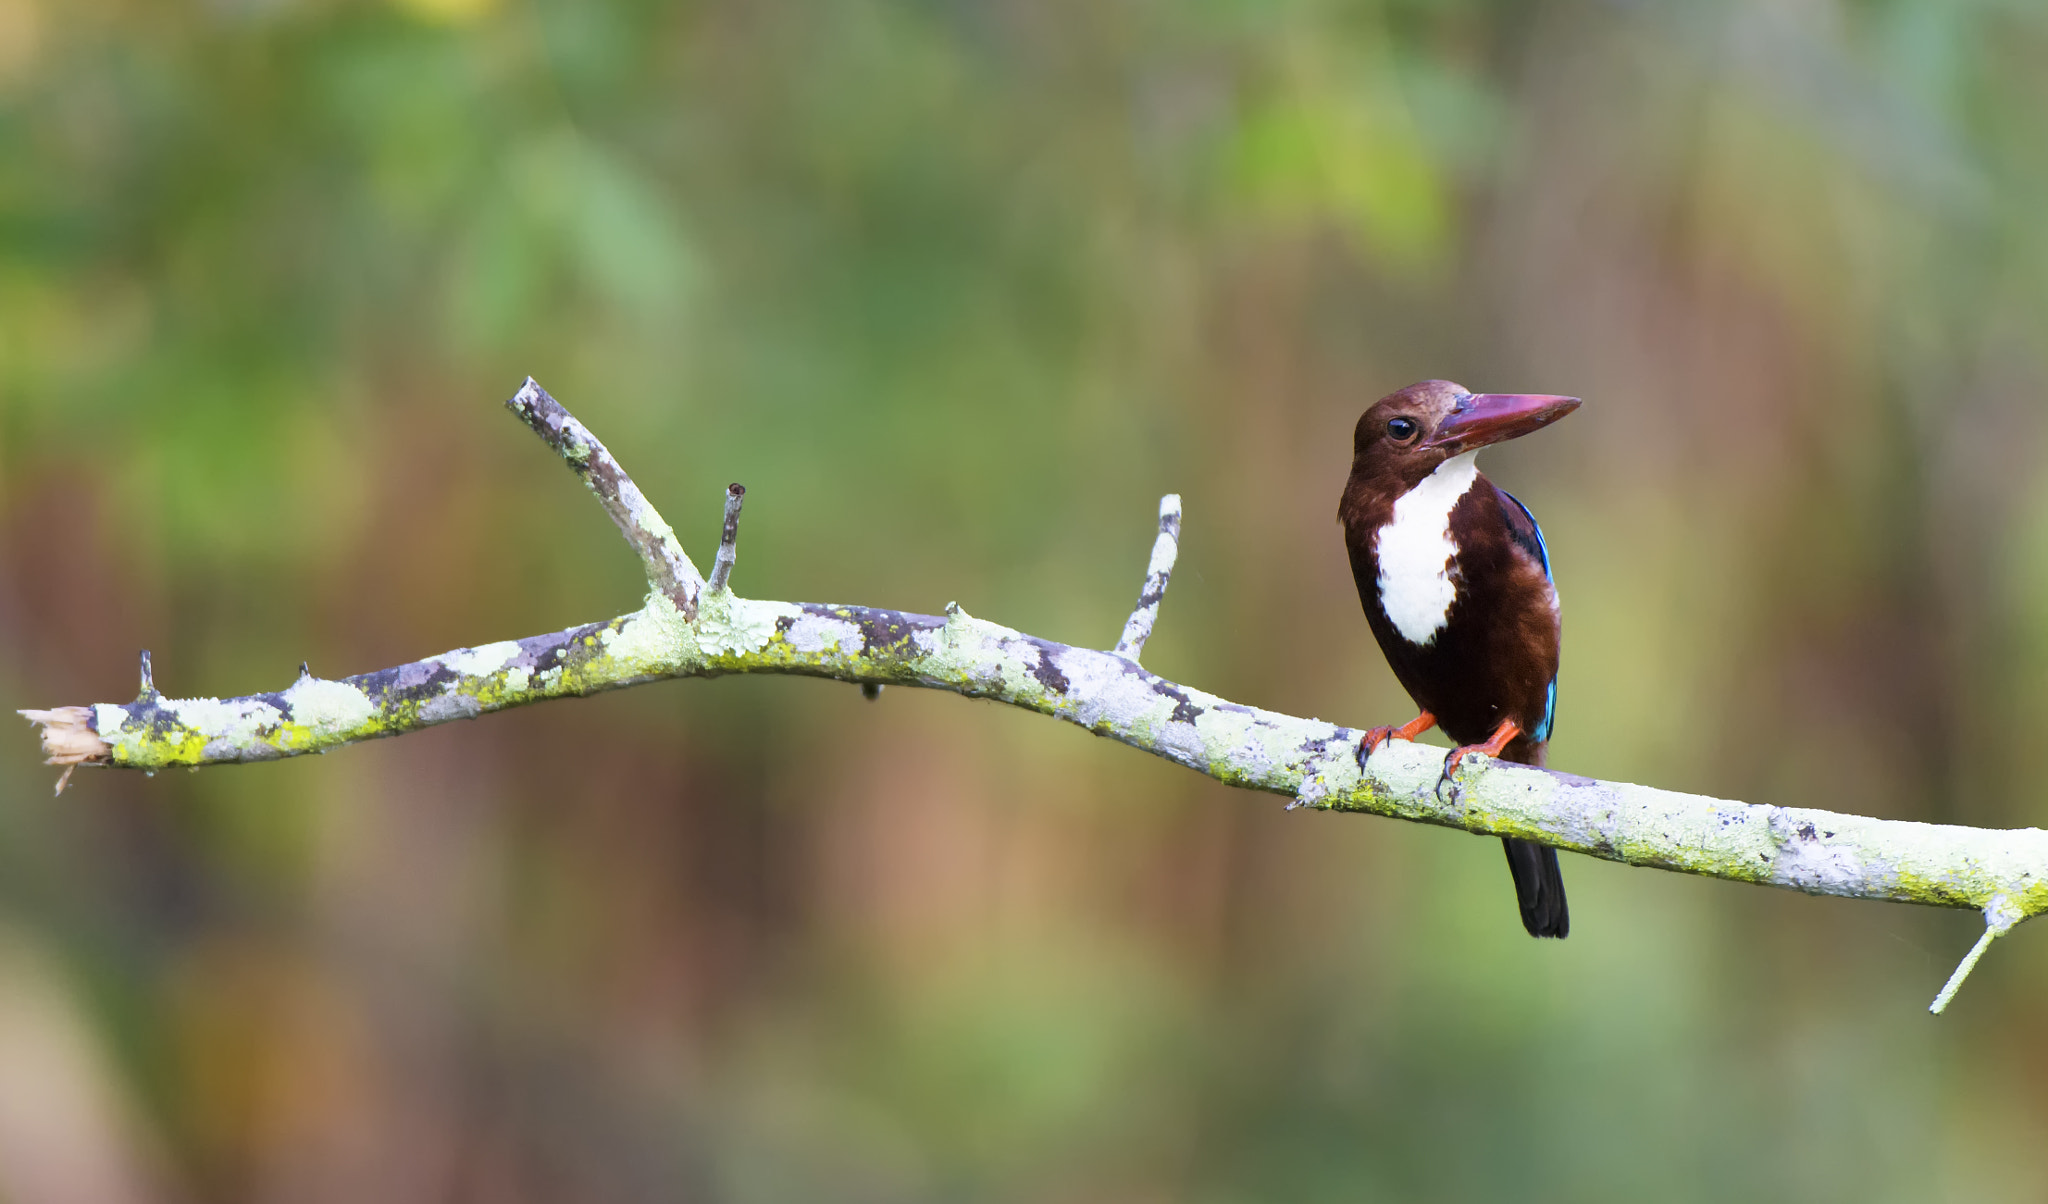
(1409,432)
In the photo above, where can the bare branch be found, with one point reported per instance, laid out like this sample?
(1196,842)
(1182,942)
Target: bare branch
(2004,873)
(1138,628)
(669,570)
(721,568)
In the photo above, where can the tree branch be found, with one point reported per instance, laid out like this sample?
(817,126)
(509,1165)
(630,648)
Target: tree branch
(687,630)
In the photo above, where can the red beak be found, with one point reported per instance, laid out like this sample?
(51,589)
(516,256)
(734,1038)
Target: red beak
(1484,418)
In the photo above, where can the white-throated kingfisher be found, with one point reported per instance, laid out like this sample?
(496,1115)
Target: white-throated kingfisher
(1455,581)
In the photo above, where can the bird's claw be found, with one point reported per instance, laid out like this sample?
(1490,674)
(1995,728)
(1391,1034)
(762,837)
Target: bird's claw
(1453,761)
(1369,743)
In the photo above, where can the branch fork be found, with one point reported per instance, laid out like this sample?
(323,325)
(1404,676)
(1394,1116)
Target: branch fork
(691,627)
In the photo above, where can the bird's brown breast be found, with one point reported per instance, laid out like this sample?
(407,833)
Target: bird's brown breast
(1496,653)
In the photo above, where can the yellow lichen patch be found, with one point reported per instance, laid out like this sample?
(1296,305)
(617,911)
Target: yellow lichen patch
(2033,900)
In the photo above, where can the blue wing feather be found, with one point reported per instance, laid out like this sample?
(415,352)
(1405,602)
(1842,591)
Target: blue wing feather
(1531,540)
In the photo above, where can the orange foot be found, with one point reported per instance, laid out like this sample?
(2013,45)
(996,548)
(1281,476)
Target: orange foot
(1506,732)
(1376,736)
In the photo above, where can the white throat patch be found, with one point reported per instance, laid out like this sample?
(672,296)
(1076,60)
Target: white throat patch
(1415,550)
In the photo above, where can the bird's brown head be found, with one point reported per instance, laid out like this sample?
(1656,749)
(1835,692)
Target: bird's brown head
(1408,433)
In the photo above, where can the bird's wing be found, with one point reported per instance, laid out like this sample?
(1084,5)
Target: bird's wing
(1523,530)
(1527,536)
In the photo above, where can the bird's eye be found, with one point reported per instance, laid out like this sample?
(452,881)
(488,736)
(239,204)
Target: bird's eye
(1402,429)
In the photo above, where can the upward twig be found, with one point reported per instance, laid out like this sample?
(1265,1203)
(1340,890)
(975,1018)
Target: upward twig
(1158,574)
(668,569)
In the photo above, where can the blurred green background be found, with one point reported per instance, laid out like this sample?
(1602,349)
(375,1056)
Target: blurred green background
(958,290)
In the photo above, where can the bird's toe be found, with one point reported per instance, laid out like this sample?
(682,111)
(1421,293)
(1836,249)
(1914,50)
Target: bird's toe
(1453,761)
(1369,743)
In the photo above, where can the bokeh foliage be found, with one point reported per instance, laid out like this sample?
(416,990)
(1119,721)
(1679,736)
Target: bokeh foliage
(958,289)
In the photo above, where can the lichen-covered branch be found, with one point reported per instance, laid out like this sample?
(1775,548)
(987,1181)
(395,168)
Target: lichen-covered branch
(2003,873)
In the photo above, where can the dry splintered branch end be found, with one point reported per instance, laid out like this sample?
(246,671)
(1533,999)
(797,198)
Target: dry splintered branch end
(2003,873)
(68,739)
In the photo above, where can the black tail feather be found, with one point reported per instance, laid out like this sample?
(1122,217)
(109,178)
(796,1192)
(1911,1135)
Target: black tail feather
(1539,887)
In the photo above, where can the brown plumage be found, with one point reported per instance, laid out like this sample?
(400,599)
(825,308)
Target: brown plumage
(1475,641)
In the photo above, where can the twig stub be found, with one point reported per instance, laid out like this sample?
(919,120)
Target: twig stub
(728,538)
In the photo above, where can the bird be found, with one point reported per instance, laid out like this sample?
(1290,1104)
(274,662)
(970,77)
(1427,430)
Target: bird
(1455,580)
